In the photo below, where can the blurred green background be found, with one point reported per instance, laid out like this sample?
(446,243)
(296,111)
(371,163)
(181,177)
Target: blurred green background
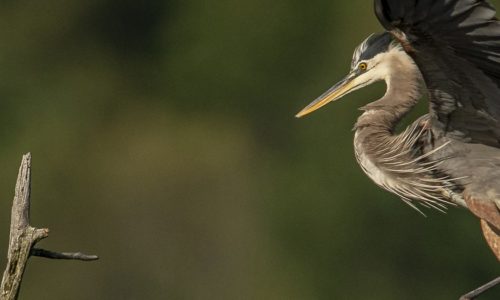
(164,141)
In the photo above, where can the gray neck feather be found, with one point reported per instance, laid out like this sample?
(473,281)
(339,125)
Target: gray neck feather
(394,161)
(403,81)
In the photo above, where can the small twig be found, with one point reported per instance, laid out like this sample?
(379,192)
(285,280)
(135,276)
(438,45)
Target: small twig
(23,237)
(477,292)
(62,255)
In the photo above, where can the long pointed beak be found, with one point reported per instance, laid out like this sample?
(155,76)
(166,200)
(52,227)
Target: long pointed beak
(337,91)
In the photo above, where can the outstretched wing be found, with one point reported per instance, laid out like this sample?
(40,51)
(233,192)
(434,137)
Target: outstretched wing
(456,45)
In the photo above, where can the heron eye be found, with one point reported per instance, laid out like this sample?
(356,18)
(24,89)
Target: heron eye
(363,66)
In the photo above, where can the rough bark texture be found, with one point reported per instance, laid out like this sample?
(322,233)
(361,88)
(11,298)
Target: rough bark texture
(23,237)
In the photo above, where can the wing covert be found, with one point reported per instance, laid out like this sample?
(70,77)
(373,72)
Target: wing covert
(456,45)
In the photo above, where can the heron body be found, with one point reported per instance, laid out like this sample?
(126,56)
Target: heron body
(398,162)
(449,50)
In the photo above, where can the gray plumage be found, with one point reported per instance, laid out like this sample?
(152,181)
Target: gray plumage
(456,46)
(400,163)
(449,49)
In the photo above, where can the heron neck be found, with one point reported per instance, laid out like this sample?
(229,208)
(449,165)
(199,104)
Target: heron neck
(403,92)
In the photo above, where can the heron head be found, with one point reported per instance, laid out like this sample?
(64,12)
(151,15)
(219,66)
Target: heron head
(371,62)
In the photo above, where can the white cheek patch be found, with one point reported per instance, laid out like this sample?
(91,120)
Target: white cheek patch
(377,73)
(383,65)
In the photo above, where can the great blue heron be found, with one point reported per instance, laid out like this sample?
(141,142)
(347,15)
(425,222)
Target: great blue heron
(451,50)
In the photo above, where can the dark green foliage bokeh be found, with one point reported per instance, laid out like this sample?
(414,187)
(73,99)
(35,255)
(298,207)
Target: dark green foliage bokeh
(164,141)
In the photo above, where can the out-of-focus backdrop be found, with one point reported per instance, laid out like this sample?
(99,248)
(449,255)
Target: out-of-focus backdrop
(164,140)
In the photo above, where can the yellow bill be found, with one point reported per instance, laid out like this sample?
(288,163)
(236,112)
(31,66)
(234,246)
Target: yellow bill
(337,91)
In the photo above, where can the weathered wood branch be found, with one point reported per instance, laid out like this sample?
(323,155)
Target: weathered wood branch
(62,255)
(23,237)
(480,290)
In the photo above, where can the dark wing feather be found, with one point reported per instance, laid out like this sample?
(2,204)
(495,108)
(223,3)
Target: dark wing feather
(456,45)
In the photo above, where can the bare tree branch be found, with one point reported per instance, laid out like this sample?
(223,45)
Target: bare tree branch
(480,290)
(62,255)
(23,237)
